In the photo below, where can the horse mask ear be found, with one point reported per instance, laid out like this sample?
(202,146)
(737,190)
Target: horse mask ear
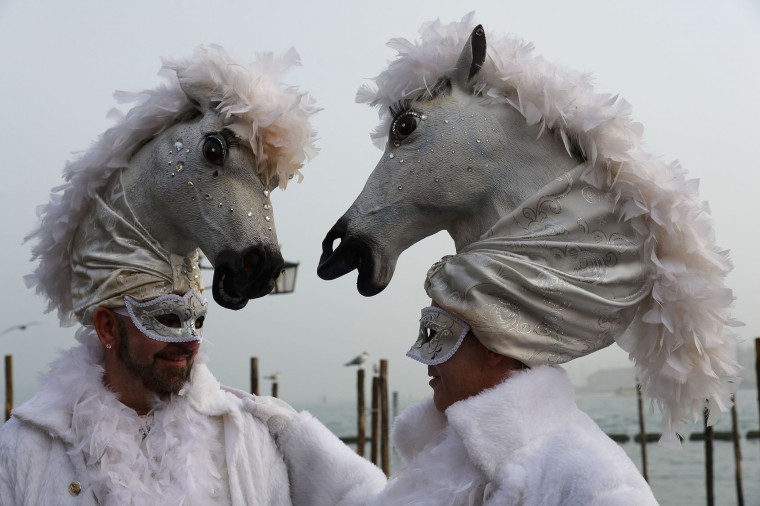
(472,57)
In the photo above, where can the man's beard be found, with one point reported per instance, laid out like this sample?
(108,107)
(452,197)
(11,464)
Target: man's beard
(161,383)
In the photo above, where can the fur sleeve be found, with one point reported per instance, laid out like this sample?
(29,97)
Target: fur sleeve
(323,470)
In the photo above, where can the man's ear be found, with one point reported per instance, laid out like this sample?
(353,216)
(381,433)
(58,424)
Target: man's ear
(106,326)
(494,359)
(505,363)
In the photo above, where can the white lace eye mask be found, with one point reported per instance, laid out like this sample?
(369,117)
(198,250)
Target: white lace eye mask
(440,335)
(186,314)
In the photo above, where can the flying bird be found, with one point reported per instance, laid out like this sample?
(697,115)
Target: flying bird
(22,326)
(273,377)
(359,360)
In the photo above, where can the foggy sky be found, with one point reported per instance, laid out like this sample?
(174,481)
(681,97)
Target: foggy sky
(690,70)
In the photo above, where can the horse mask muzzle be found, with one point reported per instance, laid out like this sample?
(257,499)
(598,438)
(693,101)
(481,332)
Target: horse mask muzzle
(354,252)
(241,276)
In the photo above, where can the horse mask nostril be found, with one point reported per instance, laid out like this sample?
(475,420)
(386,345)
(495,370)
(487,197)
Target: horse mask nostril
(337,233)
(251,261)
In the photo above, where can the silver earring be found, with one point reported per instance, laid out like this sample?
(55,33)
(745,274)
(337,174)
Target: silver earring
(108,346)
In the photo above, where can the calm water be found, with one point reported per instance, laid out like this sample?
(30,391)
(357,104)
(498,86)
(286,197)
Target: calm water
(677,477)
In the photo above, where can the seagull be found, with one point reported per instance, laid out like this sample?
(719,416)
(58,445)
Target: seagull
(359,360)
(22,326)
(273,377)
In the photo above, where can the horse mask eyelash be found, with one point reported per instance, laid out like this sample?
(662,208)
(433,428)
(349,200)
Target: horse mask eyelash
(230,138)
(441,87)
(400,107)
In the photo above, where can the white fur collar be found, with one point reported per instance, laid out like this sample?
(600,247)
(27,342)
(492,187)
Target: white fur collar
(185,453)
(494,424)
(439,469)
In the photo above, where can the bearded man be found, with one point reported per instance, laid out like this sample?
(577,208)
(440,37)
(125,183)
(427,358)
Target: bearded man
(136,417)
(132,415)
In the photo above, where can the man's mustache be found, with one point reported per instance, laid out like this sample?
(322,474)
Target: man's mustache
(175,355)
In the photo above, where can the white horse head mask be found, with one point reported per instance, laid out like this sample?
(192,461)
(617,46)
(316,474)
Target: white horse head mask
(453,161)
(189,167)
(487,139)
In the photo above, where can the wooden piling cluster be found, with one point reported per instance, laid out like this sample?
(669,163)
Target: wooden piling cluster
(380,453)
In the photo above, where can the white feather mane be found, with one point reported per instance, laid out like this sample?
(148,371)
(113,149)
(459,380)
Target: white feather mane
(272,117)
(685,359)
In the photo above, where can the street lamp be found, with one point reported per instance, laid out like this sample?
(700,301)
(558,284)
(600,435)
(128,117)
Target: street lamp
(286,281)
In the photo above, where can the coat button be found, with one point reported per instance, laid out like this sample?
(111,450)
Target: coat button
(74,488)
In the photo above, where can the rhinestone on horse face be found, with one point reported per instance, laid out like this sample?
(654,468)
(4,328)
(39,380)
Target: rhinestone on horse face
(190,166)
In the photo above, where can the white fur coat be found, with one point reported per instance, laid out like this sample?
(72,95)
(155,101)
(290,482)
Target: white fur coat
(524,442)
(210,445)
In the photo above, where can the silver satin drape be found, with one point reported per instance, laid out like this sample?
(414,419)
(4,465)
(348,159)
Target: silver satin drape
(558,278)
(113,255)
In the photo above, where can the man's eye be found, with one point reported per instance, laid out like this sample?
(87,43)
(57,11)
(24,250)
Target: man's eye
(169,320)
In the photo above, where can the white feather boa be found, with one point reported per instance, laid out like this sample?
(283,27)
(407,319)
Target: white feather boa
(185,454)
(685,358)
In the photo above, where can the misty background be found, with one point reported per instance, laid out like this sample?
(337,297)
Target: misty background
(690,69)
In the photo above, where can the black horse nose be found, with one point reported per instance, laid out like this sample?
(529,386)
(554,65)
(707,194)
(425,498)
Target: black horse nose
(240,276)
(336,262)
(251,260)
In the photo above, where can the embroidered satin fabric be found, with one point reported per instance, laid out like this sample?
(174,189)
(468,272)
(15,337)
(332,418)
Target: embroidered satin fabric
(439,338)
(189,309)
(113,256)
(558,278)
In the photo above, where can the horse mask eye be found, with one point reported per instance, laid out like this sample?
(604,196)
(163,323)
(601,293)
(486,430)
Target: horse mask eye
(214,149)
(404,125)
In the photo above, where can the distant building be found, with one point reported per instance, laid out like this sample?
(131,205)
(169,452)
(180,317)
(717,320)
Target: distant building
(622,379)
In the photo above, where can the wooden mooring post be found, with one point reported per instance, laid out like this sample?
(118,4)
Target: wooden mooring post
(709,475)
(385,461)
(255,375)
(8,386)
(642,432)
(360,418)
(757,374)
(737,454)
(385,449)
(375,443)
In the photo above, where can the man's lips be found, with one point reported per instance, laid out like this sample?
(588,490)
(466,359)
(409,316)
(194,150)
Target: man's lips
(434,381)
